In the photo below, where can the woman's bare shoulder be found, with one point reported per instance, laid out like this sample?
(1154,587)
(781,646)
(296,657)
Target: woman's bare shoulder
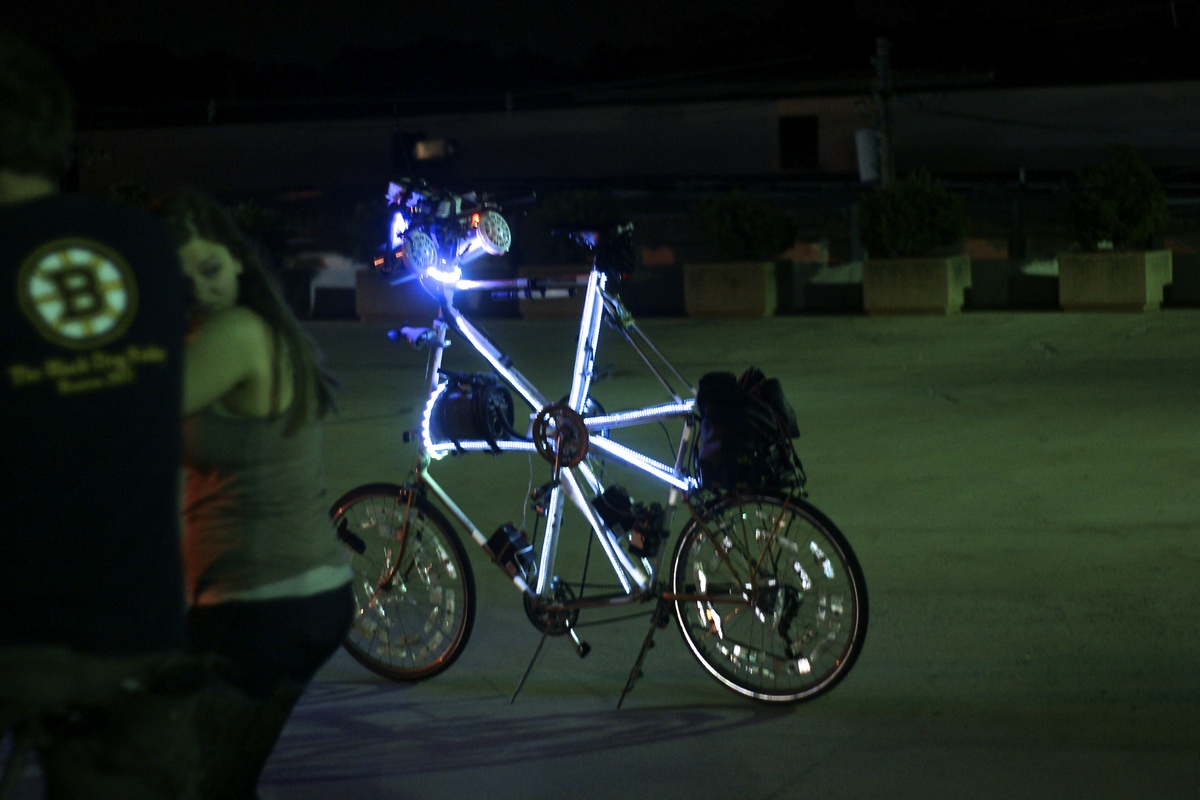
(234,325)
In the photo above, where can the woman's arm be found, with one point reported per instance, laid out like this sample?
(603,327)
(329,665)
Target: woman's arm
(226,352)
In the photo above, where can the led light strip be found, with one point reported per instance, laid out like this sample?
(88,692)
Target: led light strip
(637,416)
(646,464)
(440,449)
(446,275)
(426,416)
(622,566)
(493,356)
(585,350)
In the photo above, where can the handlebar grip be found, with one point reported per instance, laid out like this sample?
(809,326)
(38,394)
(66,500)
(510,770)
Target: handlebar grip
(413,335)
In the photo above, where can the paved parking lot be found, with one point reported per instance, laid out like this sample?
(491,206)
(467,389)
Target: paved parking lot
(1021,490)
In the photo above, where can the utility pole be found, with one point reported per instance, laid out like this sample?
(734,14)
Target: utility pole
(883,110)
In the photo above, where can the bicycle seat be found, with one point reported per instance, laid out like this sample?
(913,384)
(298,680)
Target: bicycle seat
(592,236)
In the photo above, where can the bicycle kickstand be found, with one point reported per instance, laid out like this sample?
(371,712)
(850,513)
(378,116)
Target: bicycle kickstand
(528,669)
(658,620)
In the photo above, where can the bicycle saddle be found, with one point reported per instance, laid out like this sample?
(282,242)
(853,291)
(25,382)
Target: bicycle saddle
(591,236)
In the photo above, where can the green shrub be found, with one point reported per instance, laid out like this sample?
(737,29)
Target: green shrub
(1118,202)
(735,226)
(914,216)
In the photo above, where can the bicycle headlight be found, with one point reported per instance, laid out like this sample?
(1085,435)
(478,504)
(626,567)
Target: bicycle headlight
(492,233)
(420,252)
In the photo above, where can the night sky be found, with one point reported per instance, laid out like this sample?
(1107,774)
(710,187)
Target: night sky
(154,53)
(316,32)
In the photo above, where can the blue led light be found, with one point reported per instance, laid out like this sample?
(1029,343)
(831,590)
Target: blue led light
(399,228)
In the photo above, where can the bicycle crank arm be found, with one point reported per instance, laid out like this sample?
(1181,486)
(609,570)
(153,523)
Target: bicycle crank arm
(582,648)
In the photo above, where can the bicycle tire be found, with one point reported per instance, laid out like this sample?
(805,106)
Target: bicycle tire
(786,630)
(412,620)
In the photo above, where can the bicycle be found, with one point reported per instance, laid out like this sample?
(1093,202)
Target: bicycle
(766,591)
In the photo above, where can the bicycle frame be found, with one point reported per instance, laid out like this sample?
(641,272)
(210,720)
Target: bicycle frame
(767,593)
(572,483)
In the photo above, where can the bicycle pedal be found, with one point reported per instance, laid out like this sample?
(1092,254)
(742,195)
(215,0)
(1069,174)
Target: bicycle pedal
(582,648)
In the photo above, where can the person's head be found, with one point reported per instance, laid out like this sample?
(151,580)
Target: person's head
(226,268)
(37,117)
(223,265)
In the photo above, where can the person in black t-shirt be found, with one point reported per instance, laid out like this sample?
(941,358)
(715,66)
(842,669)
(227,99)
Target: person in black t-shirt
(92,666)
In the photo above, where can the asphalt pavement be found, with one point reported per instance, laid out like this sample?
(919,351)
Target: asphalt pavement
(1021,491)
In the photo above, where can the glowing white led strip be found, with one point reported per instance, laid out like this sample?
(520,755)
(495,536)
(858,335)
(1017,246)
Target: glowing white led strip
(646,464)
(585,350)
(493,356)
(638,416)
(622,566)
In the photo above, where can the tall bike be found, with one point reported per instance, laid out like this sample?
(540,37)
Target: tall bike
(766,591)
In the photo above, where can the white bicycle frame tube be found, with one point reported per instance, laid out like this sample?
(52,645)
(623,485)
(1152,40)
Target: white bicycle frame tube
(632,577)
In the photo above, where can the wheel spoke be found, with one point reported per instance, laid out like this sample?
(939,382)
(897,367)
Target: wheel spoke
(782,607)
(413,587)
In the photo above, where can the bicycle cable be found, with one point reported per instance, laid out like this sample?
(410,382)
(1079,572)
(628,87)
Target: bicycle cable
(528,493)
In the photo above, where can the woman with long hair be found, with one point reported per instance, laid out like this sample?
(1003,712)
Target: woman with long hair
(268,582)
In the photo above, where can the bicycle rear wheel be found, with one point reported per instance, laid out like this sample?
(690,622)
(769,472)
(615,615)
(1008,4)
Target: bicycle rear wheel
(770,597)
(413,584)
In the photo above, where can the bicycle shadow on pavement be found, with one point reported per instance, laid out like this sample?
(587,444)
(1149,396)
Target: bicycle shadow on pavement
(343,731)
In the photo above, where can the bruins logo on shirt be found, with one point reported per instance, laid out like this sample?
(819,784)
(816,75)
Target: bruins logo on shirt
(78,293)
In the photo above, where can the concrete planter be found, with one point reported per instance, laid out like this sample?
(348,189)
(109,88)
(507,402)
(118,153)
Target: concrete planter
(731,289)
(916,285)
(1113,281)
(377,298)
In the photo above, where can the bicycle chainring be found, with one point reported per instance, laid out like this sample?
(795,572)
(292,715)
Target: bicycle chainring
(557,622)
(560,435)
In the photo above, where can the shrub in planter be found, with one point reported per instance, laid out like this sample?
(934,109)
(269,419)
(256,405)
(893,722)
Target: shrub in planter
(1117,211)
(1118,204)
(736,226)
(908,229)
(744,236)
(914,216)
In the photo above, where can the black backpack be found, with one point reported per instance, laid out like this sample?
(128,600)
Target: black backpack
(746,432)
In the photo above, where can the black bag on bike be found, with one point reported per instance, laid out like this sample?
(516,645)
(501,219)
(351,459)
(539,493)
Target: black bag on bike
(474,406)
(746,432)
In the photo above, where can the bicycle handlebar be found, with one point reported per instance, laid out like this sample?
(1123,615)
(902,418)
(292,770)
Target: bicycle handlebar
(417,337)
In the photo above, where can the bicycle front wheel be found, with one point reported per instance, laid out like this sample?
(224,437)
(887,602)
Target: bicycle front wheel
(769,596)
(413,584)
